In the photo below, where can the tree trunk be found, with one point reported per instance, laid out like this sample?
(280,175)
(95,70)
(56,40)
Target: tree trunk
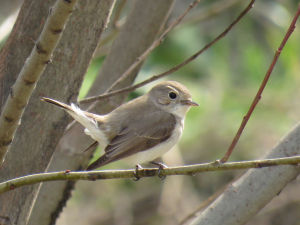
(42,125)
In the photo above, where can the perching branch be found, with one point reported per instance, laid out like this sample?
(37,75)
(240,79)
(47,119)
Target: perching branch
(261,89)
(156,77)
(140,59)
(31,72)
(113,174)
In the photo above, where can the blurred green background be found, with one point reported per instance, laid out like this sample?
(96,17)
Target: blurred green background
(224,81)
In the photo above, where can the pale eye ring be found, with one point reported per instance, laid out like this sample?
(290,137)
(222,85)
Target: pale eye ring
(172,95)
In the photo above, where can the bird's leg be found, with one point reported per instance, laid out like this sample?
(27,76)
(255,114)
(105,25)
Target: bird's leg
(137,168)
(161,166)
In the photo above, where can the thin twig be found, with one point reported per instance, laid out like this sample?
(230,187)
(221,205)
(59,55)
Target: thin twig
(157,42)
(155,77)
(259,93)
(115,174)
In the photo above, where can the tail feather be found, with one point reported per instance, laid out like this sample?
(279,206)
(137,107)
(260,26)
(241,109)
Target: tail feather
(73,110)
(88,120)
(57,103)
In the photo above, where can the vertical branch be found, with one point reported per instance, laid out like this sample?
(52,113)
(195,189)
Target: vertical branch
(31,72)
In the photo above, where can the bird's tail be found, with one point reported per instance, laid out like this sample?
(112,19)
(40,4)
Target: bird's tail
(72,109)
(88,120)
(82,117)
(57,103)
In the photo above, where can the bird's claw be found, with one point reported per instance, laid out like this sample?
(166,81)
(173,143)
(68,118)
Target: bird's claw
(161,166)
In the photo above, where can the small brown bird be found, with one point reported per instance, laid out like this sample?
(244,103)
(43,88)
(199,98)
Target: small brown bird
(140,130)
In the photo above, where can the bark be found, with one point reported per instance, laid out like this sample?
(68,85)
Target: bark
(144,22)
(31,72)
(7,8)
(245,197)
(42,125)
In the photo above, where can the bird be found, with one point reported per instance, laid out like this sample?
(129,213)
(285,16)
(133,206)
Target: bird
(140,130)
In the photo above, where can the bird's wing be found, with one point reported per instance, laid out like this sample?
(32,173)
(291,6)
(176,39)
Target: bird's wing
(139,135)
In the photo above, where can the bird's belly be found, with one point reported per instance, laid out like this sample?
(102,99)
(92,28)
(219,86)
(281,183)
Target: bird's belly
(156,151)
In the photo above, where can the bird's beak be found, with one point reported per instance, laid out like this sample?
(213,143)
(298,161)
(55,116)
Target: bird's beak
(189,102)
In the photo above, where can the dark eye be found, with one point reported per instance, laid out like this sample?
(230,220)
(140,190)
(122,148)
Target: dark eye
(172,95)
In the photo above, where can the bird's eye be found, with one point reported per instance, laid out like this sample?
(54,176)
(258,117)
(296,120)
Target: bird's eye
(172,95)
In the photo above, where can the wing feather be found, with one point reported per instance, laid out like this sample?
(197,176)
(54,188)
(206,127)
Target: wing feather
(139,135)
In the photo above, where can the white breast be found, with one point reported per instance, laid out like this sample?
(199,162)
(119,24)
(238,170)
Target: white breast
(158,150)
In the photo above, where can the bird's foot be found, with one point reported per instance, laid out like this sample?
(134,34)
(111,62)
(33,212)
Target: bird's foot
(161,166)
(137,168)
